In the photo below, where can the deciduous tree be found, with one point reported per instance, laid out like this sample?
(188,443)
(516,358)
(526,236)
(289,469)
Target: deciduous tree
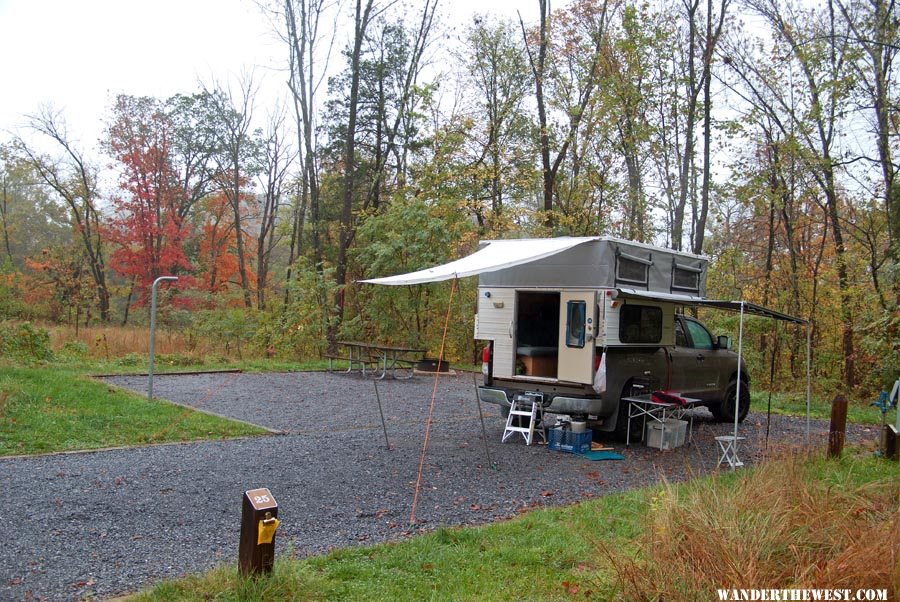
(147,228)
(74,179)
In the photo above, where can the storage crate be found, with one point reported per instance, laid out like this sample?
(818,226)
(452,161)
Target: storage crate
(666,435)
(565,440)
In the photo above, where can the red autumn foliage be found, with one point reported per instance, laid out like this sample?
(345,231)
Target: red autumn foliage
(218,263)
(147,230)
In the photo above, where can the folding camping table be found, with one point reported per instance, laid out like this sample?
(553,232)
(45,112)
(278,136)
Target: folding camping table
(643,405)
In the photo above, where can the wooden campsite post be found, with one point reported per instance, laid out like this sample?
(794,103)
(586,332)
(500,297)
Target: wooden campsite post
(838,428)
(256,550)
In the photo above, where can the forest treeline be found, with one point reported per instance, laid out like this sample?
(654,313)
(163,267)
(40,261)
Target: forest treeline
(762,133)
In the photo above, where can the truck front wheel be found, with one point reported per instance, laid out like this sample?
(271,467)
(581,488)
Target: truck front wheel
(724,411)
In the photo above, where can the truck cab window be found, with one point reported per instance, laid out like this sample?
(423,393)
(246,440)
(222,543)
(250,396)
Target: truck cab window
(640,324)
(575,322)
(700,337)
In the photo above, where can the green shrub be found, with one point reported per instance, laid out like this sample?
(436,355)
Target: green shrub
(24,341)
(74,350)
(131,359)
(179,359)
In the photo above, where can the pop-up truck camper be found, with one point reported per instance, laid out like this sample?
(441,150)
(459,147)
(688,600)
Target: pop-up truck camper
(582,322)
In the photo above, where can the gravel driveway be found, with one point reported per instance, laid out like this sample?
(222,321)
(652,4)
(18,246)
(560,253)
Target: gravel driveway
(107,522)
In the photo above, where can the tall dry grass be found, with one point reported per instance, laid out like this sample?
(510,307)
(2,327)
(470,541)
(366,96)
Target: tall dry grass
(110,342)
(777,527)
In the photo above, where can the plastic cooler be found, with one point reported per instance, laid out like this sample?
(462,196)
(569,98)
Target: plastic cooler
(666,435)
(569,441)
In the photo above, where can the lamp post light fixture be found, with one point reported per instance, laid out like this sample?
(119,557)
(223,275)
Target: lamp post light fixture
(153,331)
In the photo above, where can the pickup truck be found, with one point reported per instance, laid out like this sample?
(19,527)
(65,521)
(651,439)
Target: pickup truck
(698,365)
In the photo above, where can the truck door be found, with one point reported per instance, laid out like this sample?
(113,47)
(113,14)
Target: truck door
(577,328)
(694,366)
(685,368)
(715,363)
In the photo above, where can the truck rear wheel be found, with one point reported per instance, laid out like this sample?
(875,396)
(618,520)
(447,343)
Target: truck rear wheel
(724,411)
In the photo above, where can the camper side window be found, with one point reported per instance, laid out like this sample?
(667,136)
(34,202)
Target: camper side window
(686,278)
(631,271)
(575,314)
(640,324)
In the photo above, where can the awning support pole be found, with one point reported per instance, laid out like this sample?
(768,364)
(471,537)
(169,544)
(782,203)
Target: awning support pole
(437,376)
(737,395)
(387,442)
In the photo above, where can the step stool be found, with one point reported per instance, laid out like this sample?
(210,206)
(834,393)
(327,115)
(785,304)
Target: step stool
(728,447)
(527,405)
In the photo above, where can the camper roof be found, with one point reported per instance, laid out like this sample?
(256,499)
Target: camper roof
(562,261)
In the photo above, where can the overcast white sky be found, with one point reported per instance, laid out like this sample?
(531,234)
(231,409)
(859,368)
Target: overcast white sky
(79,54)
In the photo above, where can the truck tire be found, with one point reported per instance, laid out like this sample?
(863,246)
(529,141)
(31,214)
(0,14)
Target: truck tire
(724,411)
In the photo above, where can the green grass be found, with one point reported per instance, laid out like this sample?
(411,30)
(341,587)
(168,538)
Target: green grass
(52,409)
(546,554)
(858,410)
(541,555)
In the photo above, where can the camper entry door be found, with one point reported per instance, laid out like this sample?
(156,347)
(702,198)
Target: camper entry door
(577,322)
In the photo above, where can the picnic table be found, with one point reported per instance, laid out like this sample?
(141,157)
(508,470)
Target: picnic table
(360,355)
(643,405)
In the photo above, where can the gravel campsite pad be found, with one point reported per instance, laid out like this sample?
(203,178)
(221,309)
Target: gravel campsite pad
(108,522)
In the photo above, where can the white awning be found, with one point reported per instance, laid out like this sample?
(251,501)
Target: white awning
(495,255)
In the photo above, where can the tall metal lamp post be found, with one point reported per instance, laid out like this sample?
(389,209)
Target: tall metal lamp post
(153,331)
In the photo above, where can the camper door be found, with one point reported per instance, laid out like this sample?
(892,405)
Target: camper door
(496,322)
(577,321)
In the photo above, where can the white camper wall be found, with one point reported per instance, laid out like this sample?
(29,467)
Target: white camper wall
(495,322)
(611,315)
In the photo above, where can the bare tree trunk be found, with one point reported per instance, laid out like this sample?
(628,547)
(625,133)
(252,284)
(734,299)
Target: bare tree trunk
(363,15)
(386,135)
(297,223)
(876,32)
(687,158)
(303,39)
(712,38)
(585,92)
(236,202)
(234,156)
(4,213)
(538,70)
(128,300)
(277,159)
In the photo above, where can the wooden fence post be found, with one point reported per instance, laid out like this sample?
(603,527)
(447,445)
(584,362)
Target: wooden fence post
(890,442)
(838,428)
